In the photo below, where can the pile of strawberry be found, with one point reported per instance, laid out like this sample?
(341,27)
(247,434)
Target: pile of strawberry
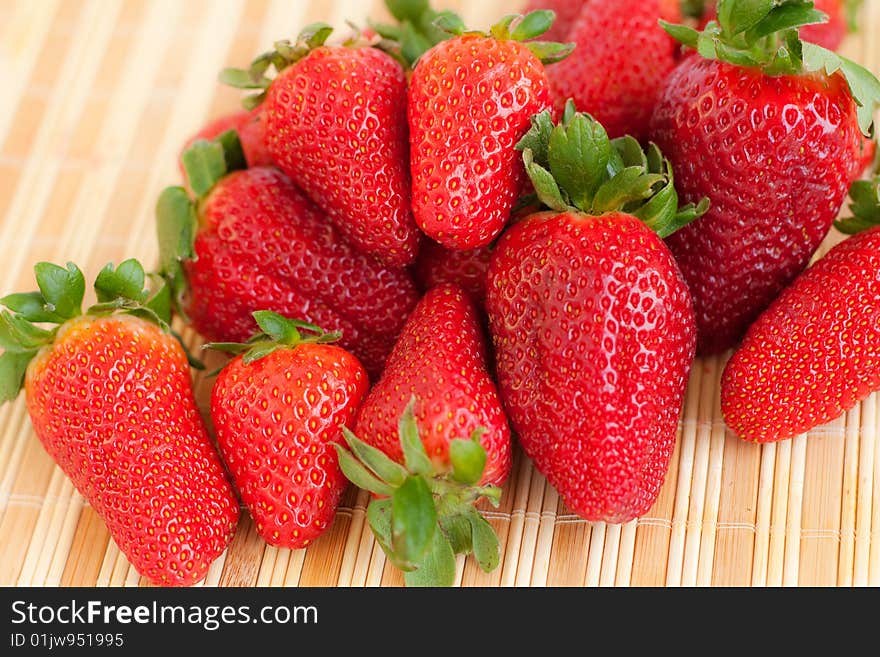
(602,210)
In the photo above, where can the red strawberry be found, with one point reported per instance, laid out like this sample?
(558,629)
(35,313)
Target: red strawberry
(622,58)
(254,241)
(277,409)
(470,100)
(437,265)
(440,358)
(336,125)
(435,410)
(591,320)
(773,146)
(110,397)
(814,353)
(248,125)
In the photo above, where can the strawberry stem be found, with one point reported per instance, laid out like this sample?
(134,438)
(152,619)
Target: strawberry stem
(276,332)
(575,166)
(425,517)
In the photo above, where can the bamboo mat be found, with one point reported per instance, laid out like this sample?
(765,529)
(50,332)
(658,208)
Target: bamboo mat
(97,98)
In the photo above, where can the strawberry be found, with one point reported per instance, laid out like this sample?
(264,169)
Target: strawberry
(440,357)
(437,380)
(814,353)
(467,269)
(622,58)
(336,125)
(249,127)
(109,394)
(772,144)
(470,99)
(866,156)
(591,320)
(277,409)
(254,241)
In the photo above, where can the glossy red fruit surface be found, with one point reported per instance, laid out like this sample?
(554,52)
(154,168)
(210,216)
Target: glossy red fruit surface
(262,245)
(336,125)
(737,136)
(621,59)
(594,338)
(111,401)
(814,353)
(470,101)
(276,419)
(440,358)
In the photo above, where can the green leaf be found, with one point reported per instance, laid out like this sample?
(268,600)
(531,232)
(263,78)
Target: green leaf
(126,281)
(438,566)
(413,44)
(545,185)
(407,10)
(631,184)
(260,351)
(376,460)
(233,153)
(578,155)
(468,459)
(786,17)
(277,327)
(449,22)
(413,519)
(242,79)
(176,226)
(458,532)
(864,206)
(414,455)
(484,541)
(19,335)
(379,519)
(357,474)
(737,16)
(205,164)
(684,34)
(13,366)
(62,288)
(31,306)
(537,139)
(160,301)
(550,52)
(532,25)
(863,85)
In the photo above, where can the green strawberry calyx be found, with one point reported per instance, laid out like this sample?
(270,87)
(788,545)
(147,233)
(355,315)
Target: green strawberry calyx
(864,207)
(423,516)
(31,320)
(764,34)
(574,166)
(205,163)
(283,54)
(415,31)
(276,332)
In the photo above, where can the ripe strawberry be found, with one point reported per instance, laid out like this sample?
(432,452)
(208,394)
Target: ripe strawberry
(772,145)
(440,358)
(437,265)
(591,320)
(814,353)
(277,409)
(254,241)
(336,125)
(453,437)
(622,58)
(248,125)
(110,397)
(470,99)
